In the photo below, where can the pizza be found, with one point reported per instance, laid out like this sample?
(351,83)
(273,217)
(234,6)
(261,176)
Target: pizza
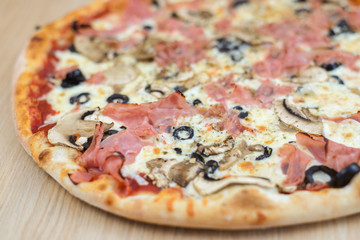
(231,114)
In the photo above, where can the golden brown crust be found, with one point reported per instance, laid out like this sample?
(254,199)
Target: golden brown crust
(233,208)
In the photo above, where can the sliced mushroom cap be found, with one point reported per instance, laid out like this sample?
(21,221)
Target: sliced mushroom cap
(183,172)
(217,148)
(201,17)
(296,118)
(248,35)
(239,151)
(92,48)
(312,74)
(206,187)
(145,51)
(71,125)
(159,171)
(119,75)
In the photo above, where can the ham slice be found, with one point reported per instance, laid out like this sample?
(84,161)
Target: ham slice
(355,116)
(148,119)
(293,164)
(334,155)
(262,97)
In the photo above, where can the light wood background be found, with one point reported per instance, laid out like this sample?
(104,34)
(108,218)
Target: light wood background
(34,206)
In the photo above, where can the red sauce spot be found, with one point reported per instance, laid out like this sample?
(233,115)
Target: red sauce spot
(38,114)
(46,128)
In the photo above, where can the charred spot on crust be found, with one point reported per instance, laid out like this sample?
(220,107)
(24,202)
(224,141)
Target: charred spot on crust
(183,133)
(118,98)
(72,79)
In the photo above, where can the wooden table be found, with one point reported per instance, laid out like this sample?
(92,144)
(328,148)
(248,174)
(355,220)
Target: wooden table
(34,206)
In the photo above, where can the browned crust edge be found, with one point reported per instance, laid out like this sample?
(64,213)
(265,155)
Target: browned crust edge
(234,208)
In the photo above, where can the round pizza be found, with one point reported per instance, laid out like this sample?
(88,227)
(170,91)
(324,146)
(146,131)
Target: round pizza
(232,114)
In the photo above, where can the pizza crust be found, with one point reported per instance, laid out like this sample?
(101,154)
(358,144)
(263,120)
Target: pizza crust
(238,207)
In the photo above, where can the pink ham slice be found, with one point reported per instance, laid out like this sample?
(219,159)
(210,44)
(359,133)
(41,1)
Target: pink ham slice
(148,119)
(334,155)
(293,164)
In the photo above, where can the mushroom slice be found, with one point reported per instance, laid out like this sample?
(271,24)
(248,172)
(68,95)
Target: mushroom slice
(248,35)
(298,119)
(201,17)
(92,48)
(72,124)
(119,75)
(183,172)
(145,51)
(206,187)
(217,148)
(312,74)
(239,151)
(159,171)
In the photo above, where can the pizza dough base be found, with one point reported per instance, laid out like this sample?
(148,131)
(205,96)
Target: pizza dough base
(237,207)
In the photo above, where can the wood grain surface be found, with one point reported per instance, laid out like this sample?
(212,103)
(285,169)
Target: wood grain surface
(34,206)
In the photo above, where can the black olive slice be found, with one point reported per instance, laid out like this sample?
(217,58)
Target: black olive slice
(337,79)
(302,11)
(238,3)
(147,27)
(243,115)
(314,169)
(118,98)
(149,90)
(183,133)
(340,28)
(211,166)
(111,132)
(73,139)
(196,102)
(343,177)
(87,144)
(72,48)
(174,15)
(208,178)
(82,98)
(178,150)
(155,3)
(239,108)
(198,157)
(236,57)
(179,89)
(267,153)
(88,113)
(331,66)
(72,79)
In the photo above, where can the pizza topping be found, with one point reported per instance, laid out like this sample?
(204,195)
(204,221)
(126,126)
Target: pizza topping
(201,17)
(298,119)
(293,164)
(217,148)
(118,98)
(119,75)
(343,177)
(144,119)
(309,174)
(183,133)
(72,79)
(237,3)
(163,172)
(93,48)
(158,89)
(340,28)
(239,151)
(312,74)
(206,187)
(331,66)
(71,128)
(82,98)
(330,153)
(267,153)
(184,172)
